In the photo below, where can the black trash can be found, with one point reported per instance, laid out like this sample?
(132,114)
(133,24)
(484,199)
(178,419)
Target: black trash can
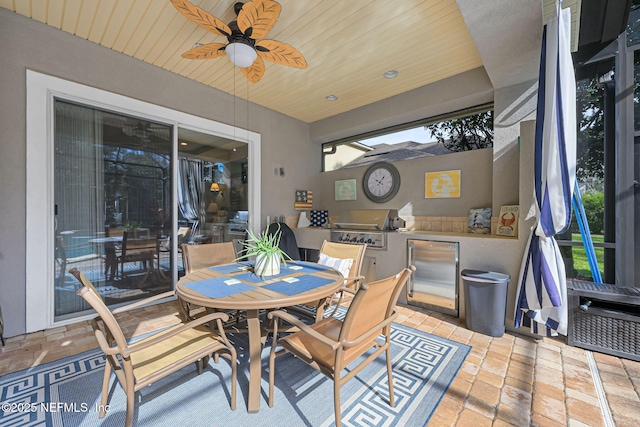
(485,301)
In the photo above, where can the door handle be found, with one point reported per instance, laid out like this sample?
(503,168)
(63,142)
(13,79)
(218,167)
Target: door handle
(410,262)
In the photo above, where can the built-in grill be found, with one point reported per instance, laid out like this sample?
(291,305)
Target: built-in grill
(368,226)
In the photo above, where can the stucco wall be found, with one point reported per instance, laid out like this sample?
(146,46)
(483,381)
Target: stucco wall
(28,44)
(475,186)
(286,143)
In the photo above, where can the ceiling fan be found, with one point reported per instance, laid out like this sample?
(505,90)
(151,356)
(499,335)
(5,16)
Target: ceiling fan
(246,47)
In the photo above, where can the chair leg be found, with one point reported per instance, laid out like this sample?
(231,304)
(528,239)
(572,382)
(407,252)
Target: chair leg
(105,389)
(131,400)
(234,377)
(336,400)
(272,364)
(392,400)
(201,363)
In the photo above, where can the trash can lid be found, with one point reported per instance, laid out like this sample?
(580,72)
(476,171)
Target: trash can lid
(485,276)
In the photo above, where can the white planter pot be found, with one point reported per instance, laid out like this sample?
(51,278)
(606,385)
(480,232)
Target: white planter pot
(267,265)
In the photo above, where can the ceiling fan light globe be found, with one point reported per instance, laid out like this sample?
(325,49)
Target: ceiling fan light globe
(241,54)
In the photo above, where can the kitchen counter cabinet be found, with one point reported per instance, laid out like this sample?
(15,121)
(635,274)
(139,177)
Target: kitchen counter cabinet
(477,251)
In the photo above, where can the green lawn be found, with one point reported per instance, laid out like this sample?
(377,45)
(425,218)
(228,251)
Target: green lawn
(580,262)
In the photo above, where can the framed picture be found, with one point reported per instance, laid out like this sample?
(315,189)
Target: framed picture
(442,185)
(346,189)
(480,220)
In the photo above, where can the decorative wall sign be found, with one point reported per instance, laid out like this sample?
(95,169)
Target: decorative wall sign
(443,184)
(304,200)
(508,221)
(346,189)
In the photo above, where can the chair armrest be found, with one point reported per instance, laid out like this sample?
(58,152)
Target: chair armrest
(102,340)
(173,332)
(347,290)
(367,335)
(145,301)
(353,279)
(304,328)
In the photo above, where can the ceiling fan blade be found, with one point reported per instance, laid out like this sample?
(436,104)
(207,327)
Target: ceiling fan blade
(206,51)
(280,53)
(255,71)
(257,17)
(202,18)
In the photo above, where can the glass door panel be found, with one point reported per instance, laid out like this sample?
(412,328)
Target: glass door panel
(213,187)
(112,193)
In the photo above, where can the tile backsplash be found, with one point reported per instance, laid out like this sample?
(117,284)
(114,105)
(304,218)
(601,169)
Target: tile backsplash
(447,224)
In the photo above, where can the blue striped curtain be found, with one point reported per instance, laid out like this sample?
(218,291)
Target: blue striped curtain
(542,290)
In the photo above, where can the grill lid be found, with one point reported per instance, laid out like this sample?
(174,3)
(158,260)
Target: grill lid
(367,219)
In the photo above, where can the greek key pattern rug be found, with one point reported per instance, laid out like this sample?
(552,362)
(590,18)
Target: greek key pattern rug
(67,392)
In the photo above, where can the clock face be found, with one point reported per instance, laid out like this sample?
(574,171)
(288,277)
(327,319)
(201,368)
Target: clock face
(381,182)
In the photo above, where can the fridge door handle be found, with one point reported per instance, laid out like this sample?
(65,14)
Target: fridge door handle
(410,284)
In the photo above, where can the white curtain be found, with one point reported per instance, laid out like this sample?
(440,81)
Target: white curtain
(78,194)
(191,190)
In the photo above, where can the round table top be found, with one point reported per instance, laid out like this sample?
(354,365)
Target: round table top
(235,286)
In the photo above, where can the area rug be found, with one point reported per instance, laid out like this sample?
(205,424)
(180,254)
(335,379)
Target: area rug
(66,393)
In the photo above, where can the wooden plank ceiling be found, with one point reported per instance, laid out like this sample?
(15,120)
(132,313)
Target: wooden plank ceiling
(348,46)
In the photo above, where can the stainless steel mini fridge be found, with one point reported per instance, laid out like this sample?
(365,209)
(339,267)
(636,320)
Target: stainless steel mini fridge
(434,284)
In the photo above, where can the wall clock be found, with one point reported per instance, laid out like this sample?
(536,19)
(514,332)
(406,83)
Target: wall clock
(381,182)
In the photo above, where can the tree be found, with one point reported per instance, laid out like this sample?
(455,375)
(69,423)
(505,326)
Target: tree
(590,147)
(465,133)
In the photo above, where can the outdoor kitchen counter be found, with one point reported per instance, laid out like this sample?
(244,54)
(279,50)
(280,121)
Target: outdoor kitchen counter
(477,251)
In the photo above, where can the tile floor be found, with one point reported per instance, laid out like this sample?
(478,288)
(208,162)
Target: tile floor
(513,380)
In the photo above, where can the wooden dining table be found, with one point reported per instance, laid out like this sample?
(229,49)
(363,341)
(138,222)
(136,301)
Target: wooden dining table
(235,287)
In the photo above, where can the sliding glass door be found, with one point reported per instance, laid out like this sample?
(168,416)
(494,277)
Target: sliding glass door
(112,195)
(106,193)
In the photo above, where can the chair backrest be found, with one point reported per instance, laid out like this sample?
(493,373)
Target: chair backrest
(62,253)
(113,231)
(112,329)
(373,303)
(136,246)
(84,281)
(346,251)
(195,257)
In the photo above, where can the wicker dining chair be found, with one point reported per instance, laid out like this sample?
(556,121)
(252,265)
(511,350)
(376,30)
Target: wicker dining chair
(144,362)
(331,345)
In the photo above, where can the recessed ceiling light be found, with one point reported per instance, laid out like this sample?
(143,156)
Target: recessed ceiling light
(390,74)
(183,143)
(331,98)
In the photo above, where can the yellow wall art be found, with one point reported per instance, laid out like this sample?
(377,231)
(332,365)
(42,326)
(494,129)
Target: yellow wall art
(443,184)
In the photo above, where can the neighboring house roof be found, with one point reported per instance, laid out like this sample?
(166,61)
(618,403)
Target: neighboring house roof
(400,151)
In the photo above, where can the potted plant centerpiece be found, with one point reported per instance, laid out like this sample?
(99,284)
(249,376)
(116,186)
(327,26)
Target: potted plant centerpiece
(266,249)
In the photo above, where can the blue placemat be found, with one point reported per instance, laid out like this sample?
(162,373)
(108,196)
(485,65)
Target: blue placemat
(305,283)
(216,288)
(229,268)
(251,277)
(307,267)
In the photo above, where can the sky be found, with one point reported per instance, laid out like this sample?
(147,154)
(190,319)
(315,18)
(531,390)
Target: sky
(418,134)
